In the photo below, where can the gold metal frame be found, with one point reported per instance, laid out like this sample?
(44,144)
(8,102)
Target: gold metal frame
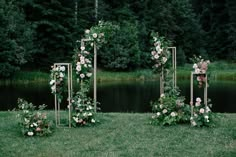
(69,90)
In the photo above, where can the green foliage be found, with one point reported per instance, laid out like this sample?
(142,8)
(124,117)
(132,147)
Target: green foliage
(15,38)
(33,122)
(83,108)
(53,24)
(122,50)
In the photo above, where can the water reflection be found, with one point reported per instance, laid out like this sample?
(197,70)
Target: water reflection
(123,96)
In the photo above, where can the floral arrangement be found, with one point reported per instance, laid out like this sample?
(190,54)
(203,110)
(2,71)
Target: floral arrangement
(159,53)
(202,115)
(33,122)
(57,81)
(170,110)
(83,110)
(83,65)
(200,67)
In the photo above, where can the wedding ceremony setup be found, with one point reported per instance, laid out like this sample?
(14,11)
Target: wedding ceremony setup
(128,78)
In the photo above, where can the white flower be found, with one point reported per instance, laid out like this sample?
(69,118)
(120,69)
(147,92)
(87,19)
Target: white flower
(158,114)
(95,35)
(198,100)
(159,52)
(61,75)
(173,114)
(195,66)
(82,75)
(193,123)
(208,121)
(82,48)
(76,119)
(91,44)
(197,71)
(62,68)
(157,48)
(164,59)
(87,31)
(161,106)
(153,53)
(90,114)
(206,117)
(82,62)
(155,38)
(191,118)
(162,95)
(53,88)
(30,133)
(208,109)
(78,68)
(89,74)
(31,125)
(156,56)
(93,121)
(164,111)
(52,82)
(201,110)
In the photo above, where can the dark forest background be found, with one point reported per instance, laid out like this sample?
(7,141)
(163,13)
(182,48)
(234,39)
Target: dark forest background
(34,34)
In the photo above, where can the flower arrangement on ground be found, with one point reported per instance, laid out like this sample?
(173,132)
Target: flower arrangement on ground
(202,114)
(33,122)
(159,53)
(200,67)
(170,110)
(57,81)
(83,109)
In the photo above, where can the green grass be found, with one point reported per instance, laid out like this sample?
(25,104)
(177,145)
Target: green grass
(122,134)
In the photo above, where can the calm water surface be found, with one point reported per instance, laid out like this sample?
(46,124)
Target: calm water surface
(123,96)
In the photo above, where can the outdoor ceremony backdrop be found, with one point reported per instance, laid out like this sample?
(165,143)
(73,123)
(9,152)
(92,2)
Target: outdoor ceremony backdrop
(36,33)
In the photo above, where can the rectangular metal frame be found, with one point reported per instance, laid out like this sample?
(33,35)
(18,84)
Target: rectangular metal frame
(191,91)
(69,90)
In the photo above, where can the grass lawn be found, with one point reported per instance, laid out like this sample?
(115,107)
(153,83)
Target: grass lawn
(121,134)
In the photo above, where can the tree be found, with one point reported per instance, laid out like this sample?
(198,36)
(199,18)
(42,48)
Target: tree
(15,38)
(53,23)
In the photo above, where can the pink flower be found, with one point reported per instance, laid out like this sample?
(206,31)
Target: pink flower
(201,110)
(38,129)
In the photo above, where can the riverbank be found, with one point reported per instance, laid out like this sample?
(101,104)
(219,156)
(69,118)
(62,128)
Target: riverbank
(218,71)
(121,134)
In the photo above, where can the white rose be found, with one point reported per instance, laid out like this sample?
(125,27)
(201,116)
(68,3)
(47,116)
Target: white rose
(158,114)
(173,114)
(62,68)
(95,35)
(87,31)
(82,48)
(206,117)
(78,68)
(164,59)
(89,74)
(52,82)
(164,111)
(201,110)
(93,121)
(195,66)
(156,56)
(197,71)
(61,75)
(30,133)
(82,75)
(161,106)
(198,100)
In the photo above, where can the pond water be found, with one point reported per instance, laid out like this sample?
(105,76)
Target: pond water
(123,96)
